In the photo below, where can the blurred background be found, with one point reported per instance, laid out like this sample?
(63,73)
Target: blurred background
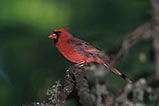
(29,61)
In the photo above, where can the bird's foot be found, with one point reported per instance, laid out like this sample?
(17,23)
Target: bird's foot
(80,64)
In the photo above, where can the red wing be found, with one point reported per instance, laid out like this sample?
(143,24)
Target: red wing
(82,45)
(91,49)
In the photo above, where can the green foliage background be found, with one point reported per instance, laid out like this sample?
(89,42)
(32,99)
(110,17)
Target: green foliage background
(32,63)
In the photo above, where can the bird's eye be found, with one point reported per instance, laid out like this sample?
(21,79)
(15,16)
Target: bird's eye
(57,33)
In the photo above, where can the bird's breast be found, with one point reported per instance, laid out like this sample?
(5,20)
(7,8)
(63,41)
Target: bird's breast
(70,52)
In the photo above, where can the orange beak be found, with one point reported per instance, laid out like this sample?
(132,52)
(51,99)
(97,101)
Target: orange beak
(52,36)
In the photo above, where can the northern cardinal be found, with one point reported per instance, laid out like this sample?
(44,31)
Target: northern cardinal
(79,51)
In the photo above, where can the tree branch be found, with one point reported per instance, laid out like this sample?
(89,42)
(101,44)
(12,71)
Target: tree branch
(82,87)
(57,94)
(155,25)
(131,40)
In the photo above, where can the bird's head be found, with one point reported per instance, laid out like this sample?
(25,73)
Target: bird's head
(55,35)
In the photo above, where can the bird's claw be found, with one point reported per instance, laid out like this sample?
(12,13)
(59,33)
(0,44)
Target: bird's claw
(79,64)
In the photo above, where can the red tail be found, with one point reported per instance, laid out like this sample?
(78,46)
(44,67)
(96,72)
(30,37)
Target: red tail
(117,72)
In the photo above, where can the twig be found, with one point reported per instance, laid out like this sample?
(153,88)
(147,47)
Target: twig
(137,35)
(137,94)
(155,26)
(130,41)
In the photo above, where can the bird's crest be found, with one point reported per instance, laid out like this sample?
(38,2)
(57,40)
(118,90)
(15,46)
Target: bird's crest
(62,30)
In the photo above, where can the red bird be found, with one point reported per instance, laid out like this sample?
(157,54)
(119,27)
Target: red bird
(79,51)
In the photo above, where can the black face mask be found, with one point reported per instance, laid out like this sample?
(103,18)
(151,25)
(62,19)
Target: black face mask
(58,35)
